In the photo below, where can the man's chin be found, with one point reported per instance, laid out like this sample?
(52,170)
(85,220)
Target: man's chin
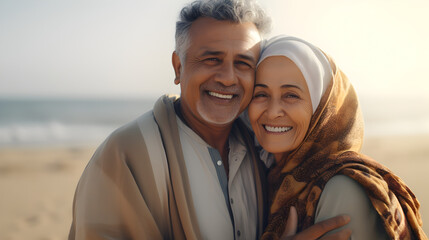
(218,118)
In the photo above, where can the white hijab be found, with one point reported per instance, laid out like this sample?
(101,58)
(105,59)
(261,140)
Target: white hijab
(308,58)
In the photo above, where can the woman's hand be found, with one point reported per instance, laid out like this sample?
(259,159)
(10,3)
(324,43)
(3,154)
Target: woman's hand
(317,230)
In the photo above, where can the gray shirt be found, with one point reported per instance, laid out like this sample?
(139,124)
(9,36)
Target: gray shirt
(226,208)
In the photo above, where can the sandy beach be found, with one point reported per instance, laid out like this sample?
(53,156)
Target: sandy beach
(37,187)
(37,184)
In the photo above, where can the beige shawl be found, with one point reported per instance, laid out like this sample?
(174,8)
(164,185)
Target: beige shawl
(136,186)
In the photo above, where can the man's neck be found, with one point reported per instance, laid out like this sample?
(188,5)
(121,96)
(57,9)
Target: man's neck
(215,136)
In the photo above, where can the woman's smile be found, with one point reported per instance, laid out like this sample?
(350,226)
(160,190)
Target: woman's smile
(274,129)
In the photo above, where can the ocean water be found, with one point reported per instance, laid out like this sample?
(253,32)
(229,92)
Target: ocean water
(35,122)
(395,115)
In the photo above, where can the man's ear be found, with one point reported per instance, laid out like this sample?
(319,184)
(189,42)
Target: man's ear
(177,65)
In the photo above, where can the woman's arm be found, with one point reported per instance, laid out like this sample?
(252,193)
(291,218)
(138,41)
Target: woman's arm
(343,195)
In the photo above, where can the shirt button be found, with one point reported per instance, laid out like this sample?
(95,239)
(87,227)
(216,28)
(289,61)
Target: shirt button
(232,201)
(238,233)
(219,162)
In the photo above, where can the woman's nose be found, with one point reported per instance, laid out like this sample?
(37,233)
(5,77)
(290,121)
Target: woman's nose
(275,109)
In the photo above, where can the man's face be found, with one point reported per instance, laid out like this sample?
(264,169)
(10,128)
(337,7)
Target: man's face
(217,77)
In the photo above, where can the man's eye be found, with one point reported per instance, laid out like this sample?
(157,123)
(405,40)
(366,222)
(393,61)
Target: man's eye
(244,64)
(212,59)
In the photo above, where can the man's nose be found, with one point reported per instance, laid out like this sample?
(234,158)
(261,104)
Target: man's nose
(226,74)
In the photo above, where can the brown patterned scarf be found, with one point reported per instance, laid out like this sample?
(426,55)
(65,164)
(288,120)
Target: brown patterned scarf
(331,147)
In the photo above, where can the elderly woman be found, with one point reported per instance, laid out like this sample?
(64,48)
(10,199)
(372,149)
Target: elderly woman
(305,112)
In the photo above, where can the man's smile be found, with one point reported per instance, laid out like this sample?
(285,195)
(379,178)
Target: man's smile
(220,95)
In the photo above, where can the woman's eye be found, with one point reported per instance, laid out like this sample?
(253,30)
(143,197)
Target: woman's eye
(292,95)
(259,95)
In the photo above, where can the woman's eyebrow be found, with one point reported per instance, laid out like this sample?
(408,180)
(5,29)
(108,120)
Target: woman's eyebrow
(282,86)
(290,86)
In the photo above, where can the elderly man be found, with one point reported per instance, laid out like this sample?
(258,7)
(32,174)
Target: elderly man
(187,169)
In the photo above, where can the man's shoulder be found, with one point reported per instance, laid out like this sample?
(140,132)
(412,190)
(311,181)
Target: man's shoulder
(133,128)
(145,128)
(126,143)
(128,136)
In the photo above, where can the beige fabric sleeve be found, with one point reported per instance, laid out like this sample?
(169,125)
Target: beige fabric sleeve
(343,195)
(115,196)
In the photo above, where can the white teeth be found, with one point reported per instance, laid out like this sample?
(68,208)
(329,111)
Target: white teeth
(218,95)
(277,129)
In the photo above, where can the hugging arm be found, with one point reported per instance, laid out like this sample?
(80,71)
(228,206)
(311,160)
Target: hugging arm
(318,230)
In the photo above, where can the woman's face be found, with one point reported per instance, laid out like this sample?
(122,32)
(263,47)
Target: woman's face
(281,110)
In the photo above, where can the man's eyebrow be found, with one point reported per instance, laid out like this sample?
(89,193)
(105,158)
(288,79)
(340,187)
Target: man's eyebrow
(261,85)
(211,53)
(218,53)
(247,57)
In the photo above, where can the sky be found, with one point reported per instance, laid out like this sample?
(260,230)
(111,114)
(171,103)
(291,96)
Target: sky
(122,49)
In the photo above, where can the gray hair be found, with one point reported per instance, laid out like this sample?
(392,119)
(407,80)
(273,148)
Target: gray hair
(237,11)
